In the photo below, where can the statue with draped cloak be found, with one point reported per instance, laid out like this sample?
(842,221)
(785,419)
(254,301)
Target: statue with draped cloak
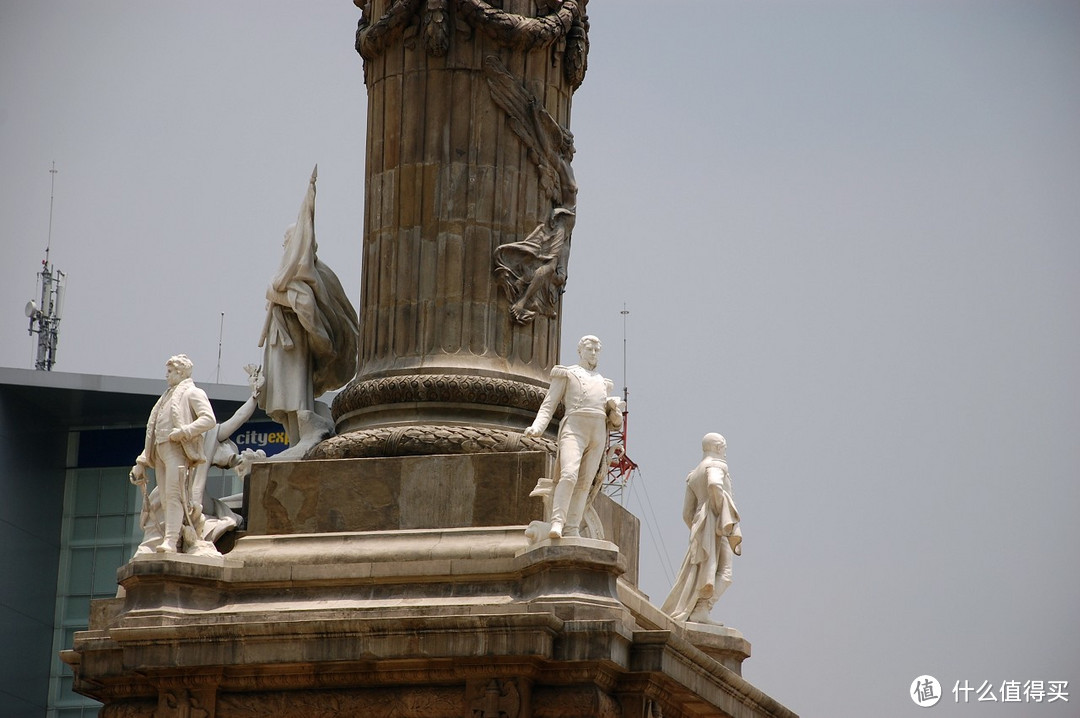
(310,336)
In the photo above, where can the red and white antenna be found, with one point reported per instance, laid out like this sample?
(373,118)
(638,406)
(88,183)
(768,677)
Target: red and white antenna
(620,467)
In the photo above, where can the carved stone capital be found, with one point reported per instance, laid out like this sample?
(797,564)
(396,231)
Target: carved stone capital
(564,20)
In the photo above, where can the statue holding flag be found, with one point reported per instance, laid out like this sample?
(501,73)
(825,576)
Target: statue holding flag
(309,339)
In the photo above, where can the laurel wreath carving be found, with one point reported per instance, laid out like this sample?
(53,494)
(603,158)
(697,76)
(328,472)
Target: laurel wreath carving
(464,388)
(426,439)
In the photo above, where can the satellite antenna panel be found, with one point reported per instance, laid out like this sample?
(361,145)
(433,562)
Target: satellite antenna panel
(31,310)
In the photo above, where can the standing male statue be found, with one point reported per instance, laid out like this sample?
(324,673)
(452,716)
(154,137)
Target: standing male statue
(174,445)
(583,433)
(715,536)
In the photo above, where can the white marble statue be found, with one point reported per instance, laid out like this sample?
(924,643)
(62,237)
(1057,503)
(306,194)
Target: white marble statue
(174,447)
(207,518)
(590,412)
(309,339)
(715,537)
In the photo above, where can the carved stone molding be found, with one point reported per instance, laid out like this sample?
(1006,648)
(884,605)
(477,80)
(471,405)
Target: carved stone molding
(565,19)
(425,439)
(378,703)
(129,709)
(452,388)
(574,702)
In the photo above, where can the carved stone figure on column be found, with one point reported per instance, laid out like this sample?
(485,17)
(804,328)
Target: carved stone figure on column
(309,338)
(533,271)
(174,445)
(583,433)
(715,537)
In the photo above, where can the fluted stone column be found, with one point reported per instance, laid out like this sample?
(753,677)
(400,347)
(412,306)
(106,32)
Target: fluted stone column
(448,180)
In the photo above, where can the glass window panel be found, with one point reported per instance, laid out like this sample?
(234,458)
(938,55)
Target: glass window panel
(84,528)
(105,564)
(133,531)
(115,490)
(69,641)
(112,528)
(81,570)
(76,612)
(86,493)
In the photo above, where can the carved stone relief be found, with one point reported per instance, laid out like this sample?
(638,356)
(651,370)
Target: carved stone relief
(533,271)
(493,698)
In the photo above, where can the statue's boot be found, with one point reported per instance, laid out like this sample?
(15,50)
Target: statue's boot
(174,518)
(701,611)
(560,501)
(576,513)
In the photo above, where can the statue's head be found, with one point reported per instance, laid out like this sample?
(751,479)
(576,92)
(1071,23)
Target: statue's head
(714,443)
(588,349)
(566,144)
(178,368)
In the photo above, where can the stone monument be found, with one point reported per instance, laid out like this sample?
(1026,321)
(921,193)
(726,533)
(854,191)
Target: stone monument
(388,574)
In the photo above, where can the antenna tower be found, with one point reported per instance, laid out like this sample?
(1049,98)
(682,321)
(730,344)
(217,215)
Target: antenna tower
(45,317)
(620,467)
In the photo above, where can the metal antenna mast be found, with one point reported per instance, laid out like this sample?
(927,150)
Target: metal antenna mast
(620,466)
(45,319)
(221,332)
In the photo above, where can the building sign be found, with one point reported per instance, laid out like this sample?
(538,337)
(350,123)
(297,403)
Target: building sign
(119,447)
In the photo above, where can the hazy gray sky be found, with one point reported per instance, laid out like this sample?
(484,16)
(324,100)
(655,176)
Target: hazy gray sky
(847,234)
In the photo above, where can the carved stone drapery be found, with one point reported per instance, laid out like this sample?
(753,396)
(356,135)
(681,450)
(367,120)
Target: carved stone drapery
(448,181)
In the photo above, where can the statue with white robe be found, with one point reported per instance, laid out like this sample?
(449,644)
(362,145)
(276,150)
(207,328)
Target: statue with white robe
(715,537)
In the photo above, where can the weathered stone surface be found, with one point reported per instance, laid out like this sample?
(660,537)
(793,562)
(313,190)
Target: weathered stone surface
(424,615)
(448,182)
(388,493)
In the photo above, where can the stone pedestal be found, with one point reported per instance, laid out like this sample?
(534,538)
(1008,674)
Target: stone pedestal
(403,618)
